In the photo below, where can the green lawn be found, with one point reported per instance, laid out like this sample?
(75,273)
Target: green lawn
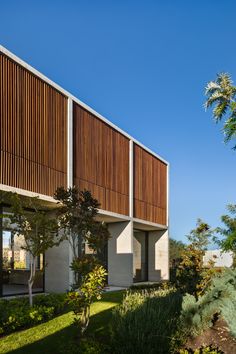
(59,335)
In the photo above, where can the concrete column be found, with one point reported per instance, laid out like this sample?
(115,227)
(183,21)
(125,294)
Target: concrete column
(70,165)
(131,178)
(57,277)
(120,254)
(158,255)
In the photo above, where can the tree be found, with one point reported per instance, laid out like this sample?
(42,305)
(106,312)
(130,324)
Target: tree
(77,216)
(221,94)
(90,290)
(228,243)
(190,272)
(39,228)
(199,237)
(175,250)
(77,213)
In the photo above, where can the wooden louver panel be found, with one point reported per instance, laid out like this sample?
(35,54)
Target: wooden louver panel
(101,161)
(150,187)
(33,131)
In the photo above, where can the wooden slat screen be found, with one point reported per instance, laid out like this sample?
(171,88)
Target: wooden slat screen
(150,187)
(33,131)
(101,161)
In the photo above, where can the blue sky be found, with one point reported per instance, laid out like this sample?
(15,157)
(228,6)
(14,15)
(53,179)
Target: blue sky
(144,66)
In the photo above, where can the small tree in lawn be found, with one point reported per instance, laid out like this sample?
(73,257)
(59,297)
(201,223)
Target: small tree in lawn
(76,213)
(39,229)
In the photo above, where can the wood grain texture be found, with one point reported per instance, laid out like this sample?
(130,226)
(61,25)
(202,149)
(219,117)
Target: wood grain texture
(33,123)
(150,187)
(101,161)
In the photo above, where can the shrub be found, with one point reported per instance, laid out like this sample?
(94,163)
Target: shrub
(145,321)
(85,346)
(81,300)
(191,277)
(58,301)
(152,286)
(202,350)
(189,271)
(16,314)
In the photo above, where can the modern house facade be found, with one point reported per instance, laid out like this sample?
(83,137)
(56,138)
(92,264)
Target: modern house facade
(49,138)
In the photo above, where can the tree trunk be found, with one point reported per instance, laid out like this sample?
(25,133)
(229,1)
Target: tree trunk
(31,278)
(74,248)
(85,318)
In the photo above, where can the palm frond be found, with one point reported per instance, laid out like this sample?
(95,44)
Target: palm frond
(215,97)
(211,87)
(220,110)
(224,79)
(230,129)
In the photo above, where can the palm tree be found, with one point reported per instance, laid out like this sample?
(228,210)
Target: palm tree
(221,94)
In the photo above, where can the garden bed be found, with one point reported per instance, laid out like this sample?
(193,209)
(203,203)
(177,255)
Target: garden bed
(218,336)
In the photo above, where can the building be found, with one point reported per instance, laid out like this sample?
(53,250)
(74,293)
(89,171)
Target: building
(220,258)
(48,139)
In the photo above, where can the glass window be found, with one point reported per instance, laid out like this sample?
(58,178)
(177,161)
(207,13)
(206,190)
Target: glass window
(16,266)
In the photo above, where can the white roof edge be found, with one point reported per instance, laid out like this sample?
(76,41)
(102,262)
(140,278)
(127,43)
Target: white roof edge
(75,99)
(150,223)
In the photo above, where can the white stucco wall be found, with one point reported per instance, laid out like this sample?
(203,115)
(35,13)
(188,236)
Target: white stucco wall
(57,271)
(158,259)
(220,259)
(120,254)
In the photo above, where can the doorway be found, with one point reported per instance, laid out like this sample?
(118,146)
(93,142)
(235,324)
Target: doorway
(140,256)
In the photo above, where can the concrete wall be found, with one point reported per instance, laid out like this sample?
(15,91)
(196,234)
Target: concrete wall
(120,254)
(158,260)
(57,271)
(120,258)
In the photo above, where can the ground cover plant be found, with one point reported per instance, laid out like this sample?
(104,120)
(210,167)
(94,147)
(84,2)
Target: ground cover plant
(146,321)
(16,314)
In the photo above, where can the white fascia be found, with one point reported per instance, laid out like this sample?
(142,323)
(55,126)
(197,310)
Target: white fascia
(114,215)
(149,223)
(75,99)
(25,193)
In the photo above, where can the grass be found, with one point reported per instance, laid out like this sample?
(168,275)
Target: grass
(59,334)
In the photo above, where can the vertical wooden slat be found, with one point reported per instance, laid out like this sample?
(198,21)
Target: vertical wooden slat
(150,188)
(101,161)
(33,124)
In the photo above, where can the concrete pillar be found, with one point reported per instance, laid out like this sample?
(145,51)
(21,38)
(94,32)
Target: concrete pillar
(120,254)
(158,255)
(57,271)
(139,256)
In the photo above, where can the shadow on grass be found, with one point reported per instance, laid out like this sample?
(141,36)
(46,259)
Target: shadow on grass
(65,341)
